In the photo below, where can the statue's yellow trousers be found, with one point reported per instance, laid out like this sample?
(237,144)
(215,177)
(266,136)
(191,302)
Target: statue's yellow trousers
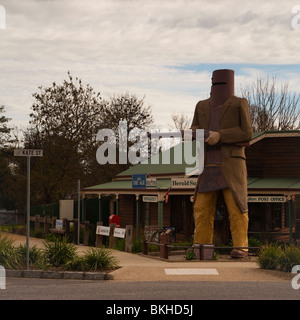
(204,214)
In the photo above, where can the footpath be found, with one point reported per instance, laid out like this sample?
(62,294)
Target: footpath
(138,267)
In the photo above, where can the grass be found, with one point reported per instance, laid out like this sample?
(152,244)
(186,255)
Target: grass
(9,257)
(57,255)
(279,257)
(59,252)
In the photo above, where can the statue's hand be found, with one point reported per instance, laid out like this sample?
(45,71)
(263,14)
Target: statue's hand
(213,138)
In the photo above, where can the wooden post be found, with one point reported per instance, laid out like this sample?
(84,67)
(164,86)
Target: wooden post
(160,205)
(46,225)
(67,227)
(53,222)
(128,239)
(93,232)
(163,248)
(37,222)
(145,247)
(99,237)
(137,211)
(75,231)
(86,232)
(64,223)
(111,235)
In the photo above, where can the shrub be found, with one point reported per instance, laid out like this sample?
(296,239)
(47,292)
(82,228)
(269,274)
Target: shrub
(120,244)
(277,257)
(35,256)
(59,252)
(9,257)
(99,259)
(269,256)
(289,258)
(75,264)
(37,233)
(190,254)
(137,246)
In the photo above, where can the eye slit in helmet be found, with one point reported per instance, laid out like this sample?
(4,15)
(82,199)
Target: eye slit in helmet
(219,83)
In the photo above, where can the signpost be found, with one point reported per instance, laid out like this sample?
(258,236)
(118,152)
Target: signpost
(28,153)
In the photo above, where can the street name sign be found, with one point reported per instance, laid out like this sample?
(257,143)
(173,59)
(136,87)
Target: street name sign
(28,152)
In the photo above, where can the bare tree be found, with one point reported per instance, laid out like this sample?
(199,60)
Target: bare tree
(271,108)
(181,121)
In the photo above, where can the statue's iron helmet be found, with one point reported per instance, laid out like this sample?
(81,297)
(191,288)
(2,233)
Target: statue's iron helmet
(222,85)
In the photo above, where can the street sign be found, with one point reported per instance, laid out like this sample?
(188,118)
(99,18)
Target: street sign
(28,152)
(139,181)
(150,198)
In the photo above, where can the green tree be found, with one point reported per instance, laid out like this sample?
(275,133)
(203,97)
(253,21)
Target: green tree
(8,194)
(4,129)
(64,122)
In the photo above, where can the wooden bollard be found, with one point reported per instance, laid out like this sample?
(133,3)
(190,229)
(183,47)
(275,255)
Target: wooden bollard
(54,222)
(145,247)
(99,237)
(37,222)
(128,238)
(111,235)
(46,225)
(163,247)
(75,231)
(86,233)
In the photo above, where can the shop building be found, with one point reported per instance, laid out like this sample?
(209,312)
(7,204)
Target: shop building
(155,195)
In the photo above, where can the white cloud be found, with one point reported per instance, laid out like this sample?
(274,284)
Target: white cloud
(119,46)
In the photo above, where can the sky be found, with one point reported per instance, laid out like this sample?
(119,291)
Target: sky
(164,50)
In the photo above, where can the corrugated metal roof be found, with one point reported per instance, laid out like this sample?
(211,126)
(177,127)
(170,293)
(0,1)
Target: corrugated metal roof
(164,184)
(273,183)
(174,157)
(127,185)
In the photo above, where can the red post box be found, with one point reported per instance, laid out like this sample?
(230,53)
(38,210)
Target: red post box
(113,218)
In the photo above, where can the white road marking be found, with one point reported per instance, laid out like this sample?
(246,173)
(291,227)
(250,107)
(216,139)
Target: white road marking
(198,271)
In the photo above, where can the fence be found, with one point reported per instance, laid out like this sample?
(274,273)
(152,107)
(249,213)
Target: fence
(90,210)
(13,217)
(89,229)
(201,252)
(90,234)
(112,233)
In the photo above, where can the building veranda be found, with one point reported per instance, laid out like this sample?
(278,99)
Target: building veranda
(155,196)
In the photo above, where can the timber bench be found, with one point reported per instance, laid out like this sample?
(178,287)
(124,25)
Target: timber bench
(61,232)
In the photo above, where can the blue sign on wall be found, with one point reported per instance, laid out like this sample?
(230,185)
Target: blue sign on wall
(139,181)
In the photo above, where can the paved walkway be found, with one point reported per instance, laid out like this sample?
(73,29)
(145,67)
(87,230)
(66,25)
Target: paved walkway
(138,267)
